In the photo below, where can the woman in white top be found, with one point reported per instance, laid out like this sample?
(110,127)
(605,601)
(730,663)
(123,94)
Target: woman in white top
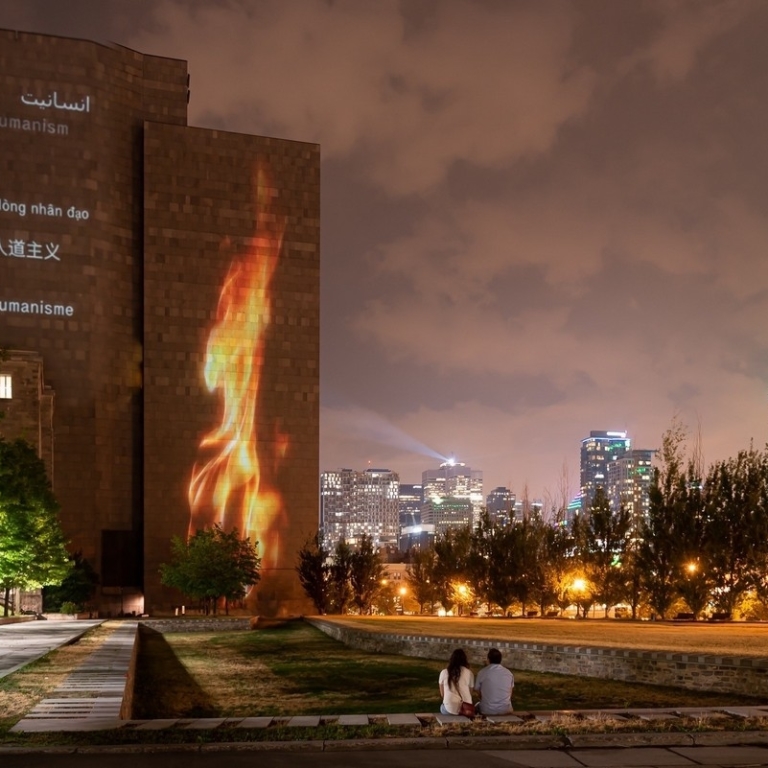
(456,683)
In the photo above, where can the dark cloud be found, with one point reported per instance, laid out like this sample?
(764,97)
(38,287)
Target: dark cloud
(539,218)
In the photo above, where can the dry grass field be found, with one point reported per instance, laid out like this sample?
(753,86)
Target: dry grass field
(296,670)
(729,638)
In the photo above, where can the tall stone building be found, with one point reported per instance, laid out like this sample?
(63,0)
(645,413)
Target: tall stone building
(163,281)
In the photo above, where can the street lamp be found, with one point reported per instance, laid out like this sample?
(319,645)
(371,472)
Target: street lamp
(579,585)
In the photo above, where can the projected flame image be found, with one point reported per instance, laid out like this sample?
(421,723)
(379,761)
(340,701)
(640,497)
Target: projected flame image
(231,480)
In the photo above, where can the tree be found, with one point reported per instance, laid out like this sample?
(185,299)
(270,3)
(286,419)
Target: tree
(602,539)
(77,588)
(365,574)
(315,573)
(33,551)
(737,509)
(421,577)
(452,551)
(551,575)
(341,572)
(211,565)
(660,547)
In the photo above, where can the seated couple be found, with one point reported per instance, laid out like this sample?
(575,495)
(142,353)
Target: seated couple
(493,686)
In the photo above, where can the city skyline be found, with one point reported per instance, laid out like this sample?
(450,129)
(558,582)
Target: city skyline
(538,218)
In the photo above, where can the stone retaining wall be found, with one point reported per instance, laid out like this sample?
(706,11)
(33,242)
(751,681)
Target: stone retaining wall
(212,624)
(703,672)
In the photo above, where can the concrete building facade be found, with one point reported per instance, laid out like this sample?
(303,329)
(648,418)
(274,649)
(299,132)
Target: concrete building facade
(166,280)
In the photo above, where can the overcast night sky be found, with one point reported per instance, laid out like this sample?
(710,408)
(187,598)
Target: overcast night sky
(538,218)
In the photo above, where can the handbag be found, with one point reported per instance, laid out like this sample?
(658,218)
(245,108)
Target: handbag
(467,709)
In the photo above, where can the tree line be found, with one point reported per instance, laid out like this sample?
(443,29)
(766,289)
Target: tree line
(703,544)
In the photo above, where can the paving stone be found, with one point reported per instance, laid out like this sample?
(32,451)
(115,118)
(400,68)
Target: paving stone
(352,720)
(304,721)
(255,722)
(745,711)
(78,724)
(504,719)
(204,723)
(653,716)
(701,713)
(446,719)
(403,720)
(157,725)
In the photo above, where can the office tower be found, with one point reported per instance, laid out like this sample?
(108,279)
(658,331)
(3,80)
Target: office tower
(597,451)
(410,501)
(500,505)
(629,478)
(448,512)
(353,504)
(456,481)
(159,283)
(420,536)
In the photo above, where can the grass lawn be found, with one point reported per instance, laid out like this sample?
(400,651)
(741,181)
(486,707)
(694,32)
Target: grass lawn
(296,669)
(730,638)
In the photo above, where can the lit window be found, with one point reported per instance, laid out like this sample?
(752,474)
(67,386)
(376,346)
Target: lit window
(5,386)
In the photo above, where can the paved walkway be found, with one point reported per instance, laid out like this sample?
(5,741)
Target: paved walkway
(25,642)
(94,691)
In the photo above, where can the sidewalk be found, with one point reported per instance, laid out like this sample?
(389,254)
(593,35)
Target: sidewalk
(23,643)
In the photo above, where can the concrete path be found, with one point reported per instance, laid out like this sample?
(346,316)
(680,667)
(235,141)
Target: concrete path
(94,691)
(23,643)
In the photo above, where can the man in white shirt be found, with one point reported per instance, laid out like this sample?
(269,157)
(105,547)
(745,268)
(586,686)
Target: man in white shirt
(494,685)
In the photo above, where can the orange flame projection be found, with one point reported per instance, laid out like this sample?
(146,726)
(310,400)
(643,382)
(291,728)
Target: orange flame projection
(230,487)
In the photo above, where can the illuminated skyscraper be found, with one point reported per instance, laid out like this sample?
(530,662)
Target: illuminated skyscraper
(456,481)
(629,478)
(624,473)
(597,451)
(410,501)
(353,504)
(500,505)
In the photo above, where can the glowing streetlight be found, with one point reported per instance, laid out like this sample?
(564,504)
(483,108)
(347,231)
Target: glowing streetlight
(691,568)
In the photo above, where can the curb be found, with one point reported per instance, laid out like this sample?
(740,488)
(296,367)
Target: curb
(465,743)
